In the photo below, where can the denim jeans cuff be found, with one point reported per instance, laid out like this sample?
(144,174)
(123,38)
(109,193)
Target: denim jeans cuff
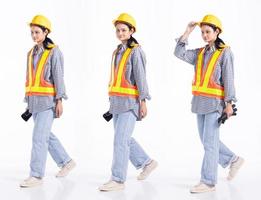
(114,178)
(144,164)
(231,160)
(208,182)
(36,174)
(62,164)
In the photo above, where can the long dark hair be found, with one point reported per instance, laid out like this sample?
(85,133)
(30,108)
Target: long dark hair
(219,43)
(47,41)
(131,41)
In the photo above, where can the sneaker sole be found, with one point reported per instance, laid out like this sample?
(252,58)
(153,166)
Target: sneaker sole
(203,191)
(29,186)
(109,190)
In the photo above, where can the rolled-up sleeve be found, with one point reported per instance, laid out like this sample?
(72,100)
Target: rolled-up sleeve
(189,56)
(58,73)
(139,71)
(227,66)
(26,71)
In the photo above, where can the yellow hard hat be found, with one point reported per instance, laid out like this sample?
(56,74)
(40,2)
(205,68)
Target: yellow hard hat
(41,21)
(211,19)
(126,18)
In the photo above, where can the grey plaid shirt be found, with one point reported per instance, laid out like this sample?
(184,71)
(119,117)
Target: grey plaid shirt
(223,75)
(136,75)
(54,72)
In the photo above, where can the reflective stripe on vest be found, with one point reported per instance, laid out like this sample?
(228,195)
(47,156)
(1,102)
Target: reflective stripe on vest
(119,86)
(35,84)
(204,84)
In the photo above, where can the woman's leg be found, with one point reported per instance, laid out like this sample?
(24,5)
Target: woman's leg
(57,151)
(41,132)
(210,141)
(226,156)
(138,156)
(124,124)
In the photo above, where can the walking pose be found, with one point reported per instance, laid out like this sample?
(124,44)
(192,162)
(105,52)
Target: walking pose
(128,91)
(213,93)
(44,93)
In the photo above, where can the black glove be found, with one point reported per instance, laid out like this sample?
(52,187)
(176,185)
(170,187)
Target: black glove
(107,116)
(223,117)
(26,115)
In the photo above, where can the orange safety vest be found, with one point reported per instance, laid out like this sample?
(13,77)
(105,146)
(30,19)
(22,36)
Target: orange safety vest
(204,84)
(118,85)
(35,83)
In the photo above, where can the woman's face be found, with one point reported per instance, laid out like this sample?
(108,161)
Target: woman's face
(123,32)
(208,34)
(38,35)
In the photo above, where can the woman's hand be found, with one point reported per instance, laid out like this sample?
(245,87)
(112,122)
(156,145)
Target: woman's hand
(59,108)
(143,109)
(190,27)
(229,110)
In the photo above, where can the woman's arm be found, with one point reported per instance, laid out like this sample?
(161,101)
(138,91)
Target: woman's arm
(58,78)
(188,56)
(139,70)
(227,67)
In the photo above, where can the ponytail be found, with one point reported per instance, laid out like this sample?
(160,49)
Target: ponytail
(131,42)
(219,43)
(47,41)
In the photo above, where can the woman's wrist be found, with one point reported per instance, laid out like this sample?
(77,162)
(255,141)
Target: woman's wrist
(59,100)
(185,36)
(229,102)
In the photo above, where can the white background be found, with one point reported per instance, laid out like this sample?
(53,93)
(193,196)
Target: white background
(84,32)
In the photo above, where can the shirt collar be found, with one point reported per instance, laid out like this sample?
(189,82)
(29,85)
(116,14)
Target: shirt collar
(38,50)
(122,46)
(210,49)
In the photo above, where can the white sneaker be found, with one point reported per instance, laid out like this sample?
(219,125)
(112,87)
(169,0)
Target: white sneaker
(234,167)
(147,170)
(66,169)
(111,186)
(202,187)
(31,182)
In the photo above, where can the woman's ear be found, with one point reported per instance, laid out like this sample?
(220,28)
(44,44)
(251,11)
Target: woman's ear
(132,31)
(46,32)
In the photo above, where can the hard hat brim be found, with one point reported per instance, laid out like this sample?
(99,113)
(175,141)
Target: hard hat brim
(123,22)
(205,23)
(30,24)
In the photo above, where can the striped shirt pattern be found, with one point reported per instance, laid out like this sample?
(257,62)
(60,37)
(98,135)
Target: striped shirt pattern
(136,75)
(223,75)
(54,73)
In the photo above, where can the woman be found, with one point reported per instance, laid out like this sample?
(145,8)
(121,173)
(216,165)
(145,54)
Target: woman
(44,93)
(213,93)
(128,92)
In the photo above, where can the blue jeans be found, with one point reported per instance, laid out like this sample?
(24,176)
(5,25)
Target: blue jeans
(215,151)
(43,141)
(125,147)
